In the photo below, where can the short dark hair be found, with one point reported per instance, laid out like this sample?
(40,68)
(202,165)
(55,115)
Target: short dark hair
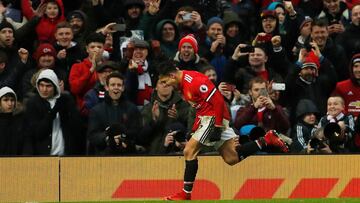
(166,67)
(320,22)
(95,37)
(114,74)
(49,81)
(256,80)
(63,24)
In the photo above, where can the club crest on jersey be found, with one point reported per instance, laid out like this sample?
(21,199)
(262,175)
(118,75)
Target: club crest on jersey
(203,88)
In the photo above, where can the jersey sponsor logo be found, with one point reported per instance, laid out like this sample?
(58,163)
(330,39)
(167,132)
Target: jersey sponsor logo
(355,104)
(350,93)
(188,78)
(204,88)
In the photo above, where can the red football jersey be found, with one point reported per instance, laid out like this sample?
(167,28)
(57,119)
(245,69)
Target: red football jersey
(202,94)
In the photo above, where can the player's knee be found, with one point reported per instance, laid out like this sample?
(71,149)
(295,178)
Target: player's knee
(189,153)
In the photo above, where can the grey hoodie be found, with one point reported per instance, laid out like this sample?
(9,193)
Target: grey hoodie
(50,75)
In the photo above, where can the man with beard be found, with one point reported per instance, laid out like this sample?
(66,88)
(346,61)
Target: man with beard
(187,57)
(312,79)
(78,22)
(349,89)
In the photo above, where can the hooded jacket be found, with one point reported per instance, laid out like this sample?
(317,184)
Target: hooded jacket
(302,132)
(10,128)
(45,29)
(168,48)
(56,116)
(349,90)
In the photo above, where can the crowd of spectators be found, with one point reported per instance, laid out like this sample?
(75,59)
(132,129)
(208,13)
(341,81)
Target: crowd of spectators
(80,77)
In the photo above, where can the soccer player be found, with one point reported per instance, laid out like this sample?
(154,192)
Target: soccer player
(211,126)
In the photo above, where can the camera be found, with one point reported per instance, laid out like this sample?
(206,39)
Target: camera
(265,38)
(317,144)
(186,16)
(263,92)
(230,87)
(278,86)
(247,49)
(308,47)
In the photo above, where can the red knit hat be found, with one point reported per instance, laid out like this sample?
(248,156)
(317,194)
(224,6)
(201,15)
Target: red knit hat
(311,60)
(191,40)
(44,49)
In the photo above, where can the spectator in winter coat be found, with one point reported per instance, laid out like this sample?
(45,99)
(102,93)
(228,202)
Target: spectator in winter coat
(350,39)
(44,56)
(114,123)
(167,34)
(301,133)
(329,49)
(262,111)
(213,48)
(337,15)
(68,51)
(166,108)
(335,114)
(53,125)
(311,79)
(97,94)
(140,74)
(187,57)
(78,21)
(53,13)
(83,75)
(189,22)
(11,123)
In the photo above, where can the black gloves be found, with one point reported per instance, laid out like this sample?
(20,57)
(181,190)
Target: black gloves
(113,130)
(215,134)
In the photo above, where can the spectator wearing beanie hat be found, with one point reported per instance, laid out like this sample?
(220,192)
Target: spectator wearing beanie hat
(44,56)
(213,48)
(187,57)
(349,89)
(10,38)
(305,31)
(11,123)
(313,78)
(79,24)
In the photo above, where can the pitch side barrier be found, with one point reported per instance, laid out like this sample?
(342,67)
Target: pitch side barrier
(153,177)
